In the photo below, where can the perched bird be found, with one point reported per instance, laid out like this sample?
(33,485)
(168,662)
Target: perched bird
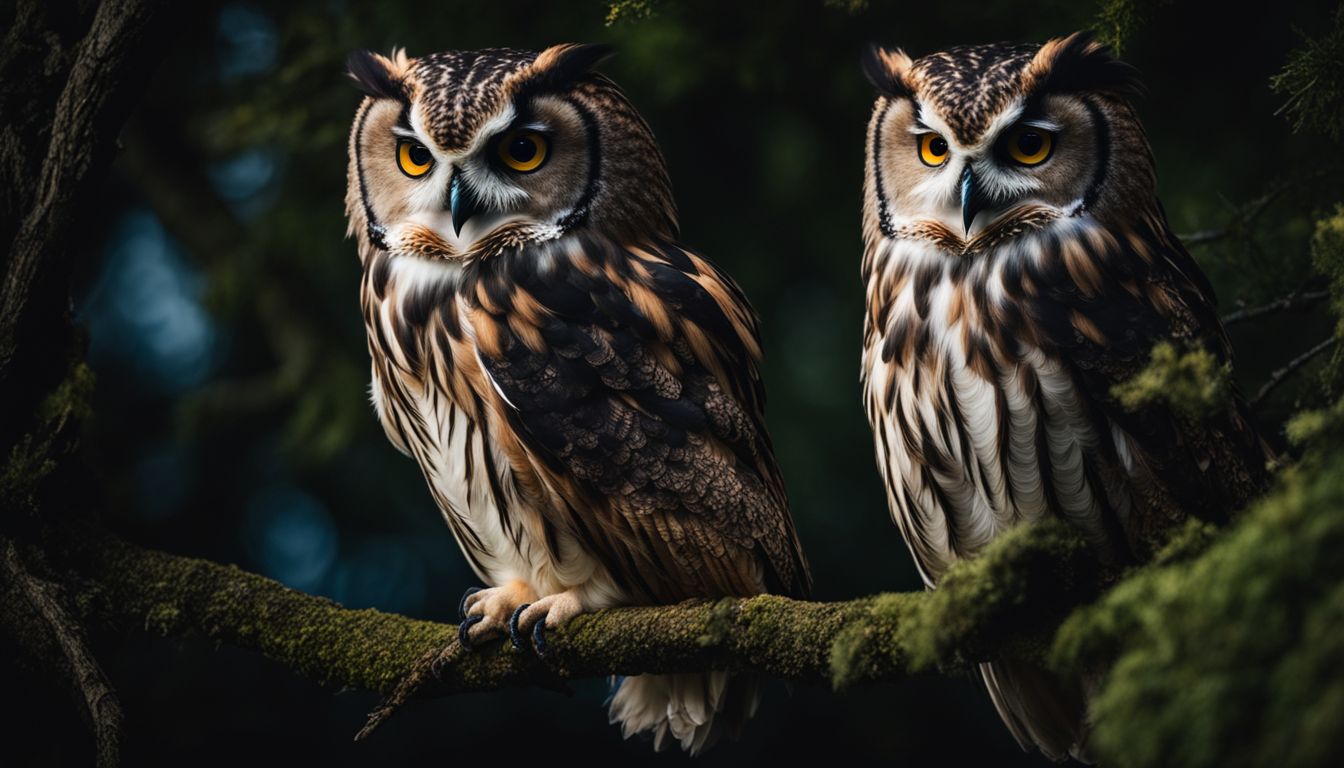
(1017,267)
(581,392)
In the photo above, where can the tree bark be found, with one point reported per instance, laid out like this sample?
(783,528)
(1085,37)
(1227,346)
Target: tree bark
(1004,603)
(106,75)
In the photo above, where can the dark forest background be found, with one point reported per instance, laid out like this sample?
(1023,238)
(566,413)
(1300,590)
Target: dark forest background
(219,295)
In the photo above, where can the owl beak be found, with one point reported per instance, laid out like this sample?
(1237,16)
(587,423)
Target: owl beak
(973,200)
(462,202)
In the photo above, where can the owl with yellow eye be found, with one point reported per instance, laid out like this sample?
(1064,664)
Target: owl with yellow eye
(1017,267)
(581,392)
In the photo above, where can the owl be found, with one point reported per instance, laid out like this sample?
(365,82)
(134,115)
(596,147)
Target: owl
(1017,267)
(581,392)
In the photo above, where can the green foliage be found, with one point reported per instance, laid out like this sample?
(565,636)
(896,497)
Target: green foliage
(630,10)
(1188,380)
(1232,658)
(1120,19)
(1327,255)
(1313,424)
(1313,80)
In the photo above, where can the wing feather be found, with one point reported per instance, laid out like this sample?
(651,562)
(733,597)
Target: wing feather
(1150,290)
(632,377)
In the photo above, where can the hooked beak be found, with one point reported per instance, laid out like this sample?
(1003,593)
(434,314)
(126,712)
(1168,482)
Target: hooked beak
(462,202)
(973,200)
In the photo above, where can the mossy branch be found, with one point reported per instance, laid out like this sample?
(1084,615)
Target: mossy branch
(1003,602)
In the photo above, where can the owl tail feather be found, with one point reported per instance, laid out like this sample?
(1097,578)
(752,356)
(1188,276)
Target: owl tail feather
(695,709)
(1043,710)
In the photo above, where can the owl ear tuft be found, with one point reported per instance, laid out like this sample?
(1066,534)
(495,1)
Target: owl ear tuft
(560,65)
(1080,63)
(378,76)
(886,69)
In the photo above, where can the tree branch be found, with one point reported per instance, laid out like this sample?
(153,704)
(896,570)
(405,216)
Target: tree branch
(1244,216)
(1293,300)
(91,108)
(100,701)
(1279,376)
(1005,602)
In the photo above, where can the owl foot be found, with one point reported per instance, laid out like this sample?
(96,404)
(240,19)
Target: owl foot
(485,612)
(462,604)
(547,613)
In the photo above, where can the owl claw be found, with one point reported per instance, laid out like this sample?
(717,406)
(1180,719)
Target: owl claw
(462,604)
(462,630)
(514,636)
(548,612)
(486,612)
(538,631)
(539,637)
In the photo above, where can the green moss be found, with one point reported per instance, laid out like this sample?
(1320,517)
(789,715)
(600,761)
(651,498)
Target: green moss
(1188,380)
(162,618)
(1187,541)
(1233,657)
(720,623)
(999,603)
(875,642)
(1028,579)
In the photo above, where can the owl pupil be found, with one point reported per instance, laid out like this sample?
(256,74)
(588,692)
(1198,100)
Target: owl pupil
(1030,143)
(938,147)
(419,155)
(522,150)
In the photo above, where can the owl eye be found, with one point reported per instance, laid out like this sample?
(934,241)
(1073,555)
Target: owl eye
(413,159)
(932,149)
(523,151)
(1029,145)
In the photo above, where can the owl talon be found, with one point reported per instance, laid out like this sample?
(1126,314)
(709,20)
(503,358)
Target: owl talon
(539,637)
(514,636)
(462,604)
(467,624)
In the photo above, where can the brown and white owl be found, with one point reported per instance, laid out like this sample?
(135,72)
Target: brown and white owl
(1017,266)
(581,392)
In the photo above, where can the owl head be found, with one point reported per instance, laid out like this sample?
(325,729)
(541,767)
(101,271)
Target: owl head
(460,154)
(977,144)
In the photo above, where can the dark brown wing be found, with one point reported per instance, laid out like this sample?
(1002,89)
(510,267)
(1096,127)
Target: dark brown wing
(632,374)
(1101,303)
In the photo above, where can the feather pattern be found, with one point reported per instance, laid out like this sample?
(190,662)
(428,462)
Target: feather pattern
(581,393)
(600,397)
(991,346)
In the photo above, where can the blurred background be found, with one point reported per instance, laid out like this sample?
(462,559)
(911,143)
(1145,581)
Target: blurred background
(233,423)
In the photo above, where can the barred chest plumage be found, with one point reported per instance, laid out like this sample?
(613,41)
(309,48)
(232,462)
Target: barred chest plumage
(429,391)
(979,424)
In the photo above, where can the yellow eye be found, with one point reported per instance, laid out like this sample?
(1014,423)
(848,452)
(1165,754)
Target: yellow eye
(414,160)
(1029,145)
(932,149)
(523,151)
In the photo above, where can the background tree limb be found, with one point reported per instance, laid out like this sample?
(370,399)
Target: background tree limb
(100,701)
